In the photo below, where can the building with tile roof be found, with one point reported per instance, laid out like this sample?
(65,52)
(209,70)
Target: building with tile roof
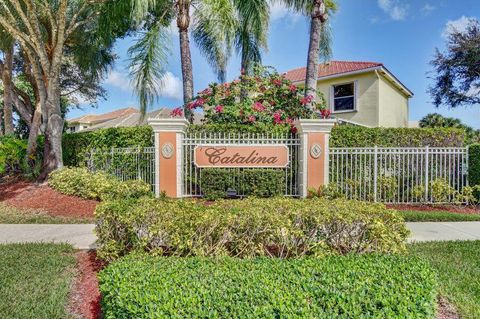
(359,92)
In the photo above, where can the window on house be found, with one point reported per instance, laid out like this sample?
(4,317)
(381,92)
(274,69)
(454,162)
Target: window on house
(344,97)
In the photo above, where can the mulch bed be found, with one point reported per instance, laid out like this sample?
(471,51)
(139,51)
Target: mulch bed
(437,208)
(85,296)
(24,194)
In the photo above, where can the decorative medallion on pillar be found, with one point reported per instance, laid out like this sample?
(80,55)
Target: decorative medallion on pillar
(315,150)
(168,134)
(167,150)
(313,156)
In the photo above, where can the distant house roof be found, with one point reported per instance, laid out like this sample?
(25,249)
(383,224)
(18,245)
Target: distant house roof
(135,119)
(339,68)
(97,118)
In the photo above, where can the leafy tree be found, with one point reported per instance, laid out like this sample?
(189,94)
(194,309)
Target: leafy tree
(435,120)
(49,32)
(457,71)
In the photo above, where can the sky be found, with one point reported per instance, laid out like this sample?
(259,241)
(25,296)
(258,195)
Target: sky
(402,34)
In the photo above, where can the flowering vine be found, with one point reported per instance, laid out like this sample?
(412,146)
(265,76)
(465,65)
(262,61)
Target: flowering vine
(271,99)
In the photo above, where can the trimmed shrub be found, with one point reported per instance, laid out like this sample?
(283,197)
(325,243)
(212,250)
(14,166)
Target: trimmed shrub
(76,145)
(368,286)
(214,182)
(99,186)
(474,167)
(280,227)
(357,136)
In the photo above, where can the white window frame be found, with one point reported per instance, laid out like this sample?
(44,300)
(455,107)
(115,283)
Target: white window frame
(355,97)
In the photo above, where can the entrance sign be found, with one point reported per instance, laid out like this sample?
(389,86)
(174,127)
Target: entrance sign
(262,155)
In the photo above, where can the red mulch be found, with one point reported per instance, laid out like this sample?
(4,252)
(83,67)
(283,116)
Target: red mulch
(85,296)
(23,194)
(444,208)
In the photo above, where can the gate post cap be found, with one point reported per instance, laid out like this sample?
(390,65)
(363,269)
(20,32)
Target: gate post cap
(174,124)
(315,125)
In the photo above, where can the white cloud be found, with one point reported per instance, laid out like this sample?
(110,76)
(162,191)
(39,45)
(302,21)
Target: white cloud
(279,11)
(119,80)
(456,25)
(394,8)
(427,8)
(172,87)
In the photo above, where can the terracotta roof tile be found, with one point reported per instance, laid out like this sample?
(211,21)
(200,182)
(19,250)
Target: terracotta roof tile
(94,118)
(331,68)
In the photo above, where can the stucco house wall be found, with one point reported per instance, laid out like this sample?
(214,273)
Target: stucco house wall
(366,95)
(394,110)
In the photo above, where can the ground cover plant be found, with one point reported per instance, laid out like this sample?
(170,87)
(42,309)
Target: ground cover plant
(13,215)
(99,186)
(35,280)
(277,227)
(456,264)
(367,286)
(437,216)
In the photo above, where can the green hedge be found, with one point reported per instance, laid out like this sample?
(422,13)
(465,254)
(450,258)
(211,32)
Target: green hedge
(357,136)
(474,166)
(214,182)
(281,227)
(75,145)
(99,186)
(368,286)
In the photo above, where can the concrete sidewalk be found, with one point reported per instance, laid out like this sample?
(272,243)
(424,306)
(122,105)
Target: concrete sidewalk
(440,231)
(81,236)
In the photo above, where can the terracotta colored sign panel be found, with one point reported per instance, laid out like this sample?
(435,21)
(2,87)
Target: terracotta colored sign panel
(241,156)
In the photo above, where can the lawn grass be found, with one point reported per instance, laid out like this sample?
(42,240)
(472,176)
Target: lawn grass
(458,266)
(12,215)
(35,280)
(437,216)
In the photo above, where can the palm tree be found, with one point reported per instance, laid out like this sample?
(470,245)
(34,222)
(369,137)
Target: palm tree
(214,25)
(319,46)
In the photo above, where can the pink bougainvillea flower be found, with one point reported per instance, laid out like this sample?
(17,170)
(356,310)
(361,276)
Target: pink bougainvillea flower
(207,91)
(307,99)
(257,106)
(219,108)
(289,121)
(252,118)
(226,85)
(325,113)
(277,117)
(293,88)
(191,105)
(200,102)
(177,112)
(277,82)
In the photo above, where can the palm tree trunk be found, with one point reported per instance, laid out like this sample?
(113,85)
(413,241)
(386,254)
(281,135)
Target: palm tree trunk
(7,92)
(183,23)
(313,50)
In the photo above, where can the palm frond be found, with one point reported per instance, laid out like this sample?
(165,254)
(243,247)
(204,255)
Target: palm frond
(148,58)
(213,30)
(325,43)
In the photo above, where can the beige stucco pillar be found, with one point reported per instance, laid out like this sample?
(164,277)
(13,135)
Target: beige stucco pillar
(168,133)
(314,154)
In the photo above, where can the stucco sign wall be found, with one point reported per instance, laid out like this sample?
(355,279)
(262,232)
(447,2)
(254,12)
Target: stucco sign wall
(274,156)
